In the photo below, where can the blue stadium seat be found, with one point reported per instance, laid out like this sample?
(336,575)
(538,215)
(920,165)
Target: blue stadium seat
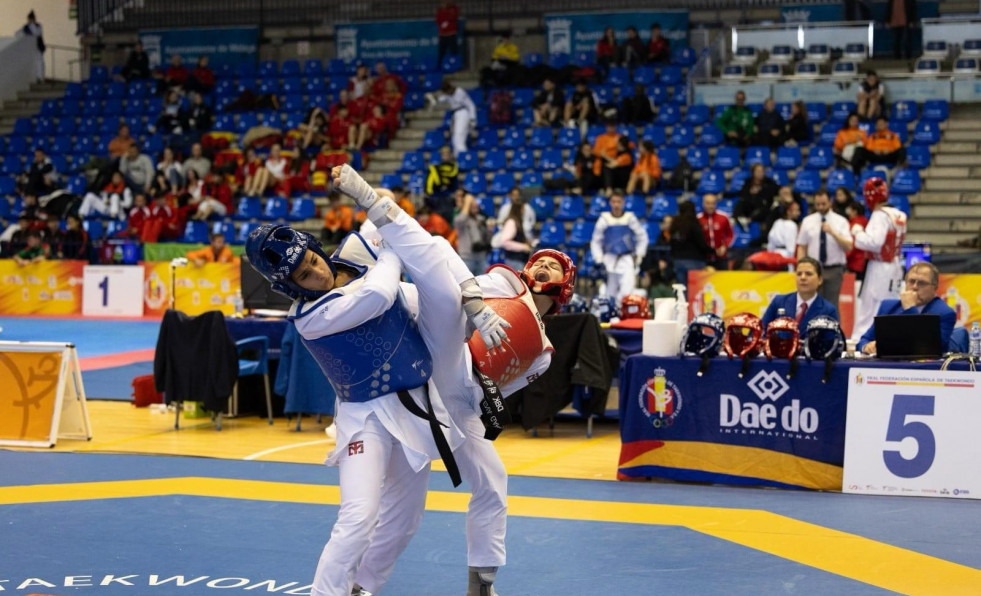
(7,187)
(61,145)
(594,131)
(552,234)
(644,75)
(533,59)
(486,139)
(670,75)
(635,204)
(669,158)
(532,179)
(935,110)
(755,155)
(684,57)
(906,181)
(244,229)
(581,233)
(820,157)
(918,156)
(487,206)
(94,228)
(663,205)
(412,161)
(816,112)
(313,67)
(659,94)
(597,205)
(568,138)
(828,133)
(501,183)
(727,158)
(840,177)
(726,205)
(494,160)
(521,160)
(541,137)
(926,133)
(742,237)
(901,129)
(195,232)
(475,183)
(522,97)
(544,206)
(655,133)
(433,140)
(668,115)
(841,109)
(467,160)
(789,158)
(618,75)
(903,111)
(451,63)
(697,115)
(682,136)
(513,137)
(710,136)
(248,208)
(698,157)
(712,182)
(302,208)
(571,208)
(900,202)
(807,181)
(391,181)
(550,159)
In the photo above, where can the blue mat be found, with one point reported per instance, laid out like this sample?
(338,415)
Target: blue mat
(91,337)
(114,383)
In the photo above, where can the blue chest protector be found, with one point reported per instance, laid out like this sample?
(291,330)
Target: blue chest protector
(618,239)
(380,356)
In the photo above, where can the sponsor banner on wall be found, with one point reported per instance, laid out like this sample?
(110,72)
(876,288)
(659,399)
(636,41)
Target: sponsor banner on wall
(390,40)
(46,288)
(962,292)
(571,33)
(726,293)
(199,289)
(222,45)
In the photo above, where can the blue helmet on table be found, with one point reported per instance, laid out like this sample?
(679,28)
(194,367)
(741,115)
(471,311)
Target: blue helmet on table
(604,308)
(577,304)
(823,339)
(276,251)
(704,336)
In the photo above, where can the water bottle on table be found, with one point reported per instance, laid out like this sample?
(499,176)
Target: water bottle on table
(975,343)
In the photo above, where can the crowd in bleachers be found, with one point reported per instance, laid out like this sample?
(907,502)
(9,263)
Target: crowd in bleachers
(168,153)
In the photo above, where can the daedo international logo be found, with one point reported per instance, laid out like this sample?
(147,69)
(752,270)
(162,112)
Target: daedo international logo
(752,418)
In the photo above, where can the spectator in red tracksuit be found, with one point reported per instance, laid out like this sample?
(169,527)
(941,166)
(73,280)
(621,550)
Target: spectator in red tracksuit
(658,48)
(202,78)
(392,99)
(856,257)
(163,224)
(139,215)
(382,77)
(718,232)
(176,73)
(447,25)
(339,129)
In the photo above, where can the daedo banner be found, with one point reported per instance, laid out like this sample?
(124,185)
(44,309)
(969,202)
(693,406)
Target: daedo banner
(199,289)
(390,40)
(222,45)
(571,33)
(46,288)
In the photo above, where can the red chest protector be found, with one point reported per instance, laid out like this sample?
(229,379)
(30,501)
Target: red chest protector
(526,337)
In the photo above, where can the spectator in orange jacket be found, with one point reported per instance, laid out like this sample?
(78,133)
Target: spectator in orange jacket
(436,224)
(338,220)
(849,138)
(882,146)
(217,252)
(605,146)
(647,171)
(616,170)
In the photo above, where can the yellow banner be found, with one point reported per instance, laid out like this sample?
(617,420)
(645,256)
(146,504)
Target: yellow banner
(962,292)
(27,402)
(46,288)
(198,289)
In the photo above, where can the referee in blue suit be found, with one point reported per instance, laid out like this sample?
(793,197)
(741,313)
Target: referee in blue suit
(804,304)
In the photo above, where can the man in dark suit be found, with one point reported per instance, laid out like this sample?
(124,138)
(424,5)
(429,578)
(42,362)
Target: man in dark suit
(918,298)
(804,304)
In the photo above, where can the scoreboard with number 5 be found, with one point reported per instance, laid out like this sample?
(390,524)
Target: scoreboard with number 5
(913,433)
(109,290)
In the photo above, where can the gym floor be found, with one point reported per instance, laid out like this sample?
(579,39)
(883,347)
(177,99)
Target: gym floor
(146,509)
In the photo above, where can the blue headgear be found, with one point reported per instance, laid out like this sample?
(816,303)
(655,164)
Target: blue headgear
(577,304)
(704,336)
(824,339)
(604,308)
(276,251)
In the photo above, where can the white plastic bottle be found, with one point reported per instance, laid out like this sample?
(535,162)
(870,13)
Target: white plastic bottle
(975,343)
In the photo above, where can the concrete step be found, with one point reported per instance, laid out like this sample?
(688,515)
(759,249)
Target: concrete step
(39,95)
(964,184)
(949,146)
(956,134)
(964,124)
(922,225)
(21,112)
(384,166)
(939,198)
(946,172)
(944,242)
(957,159)
(17,104)
(387,154)
(957,212)
(402,144)
(411,134)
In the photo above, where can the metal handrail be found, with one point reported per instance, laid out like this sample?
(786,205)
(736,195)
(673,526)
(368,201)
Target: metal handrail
(54,49)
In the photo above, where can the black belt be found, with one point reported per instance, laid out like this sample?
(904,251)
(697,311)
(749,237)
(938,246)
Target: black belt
(493,413)
(428,415)
(832,266)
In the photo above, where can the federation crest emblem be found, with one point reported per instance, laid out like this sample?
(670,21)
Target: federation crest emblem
(660,399)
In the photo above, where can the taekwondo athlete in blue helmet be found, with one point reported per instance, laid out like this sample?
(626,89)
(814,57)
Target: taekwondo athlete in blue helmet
(350,312)
(447,292)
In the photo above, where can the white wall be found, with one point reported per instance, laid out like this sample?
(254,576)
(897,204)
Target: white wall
(17,54)
(59,30)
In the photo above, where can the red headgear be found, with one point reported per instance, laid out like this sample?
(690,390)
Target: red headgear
(876,191)
(634,306)
(744,335)
(782,338)
(560,291)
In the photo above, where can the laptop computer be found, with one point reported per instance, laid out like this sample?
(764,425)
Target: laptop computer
(907,337)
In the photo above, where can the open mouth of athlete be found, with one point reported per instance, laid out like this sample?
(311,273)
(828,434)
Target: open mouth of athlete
(543,276)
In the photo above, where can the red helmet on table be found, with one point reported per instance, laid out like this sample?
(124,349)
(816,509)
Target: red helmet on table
(634,306)
(875,191)
(744,335)
(782,338)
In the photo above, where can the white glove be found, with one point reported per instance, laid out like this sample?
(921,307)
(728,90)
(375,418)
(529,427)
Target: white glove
(487,322)
(353,185)
(857,229)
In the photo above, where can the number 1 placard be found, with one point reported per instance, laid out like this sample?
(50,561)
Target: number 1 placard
(112,291)
(913,433)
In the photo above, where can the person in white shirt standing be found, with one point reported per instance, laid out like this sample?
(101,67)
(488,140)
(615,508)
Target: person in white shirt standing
(34,29)
(782,238)
(824,236)
(464,113)
(883,238)
(619,242)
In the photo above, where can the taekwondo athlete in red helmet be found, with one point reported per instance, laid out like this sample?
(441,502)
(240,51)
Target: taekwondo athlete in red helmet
(882,238)
(473,377)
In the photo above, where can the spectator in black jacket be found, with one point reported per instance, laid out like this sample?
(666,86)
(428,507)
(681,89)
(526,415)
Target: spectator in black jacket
(636,108)
(548,104)
(198,116)
(688,246)
(41,177)
(755,197)
(137,64)
(632,51)
(770,126)
(798,128)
